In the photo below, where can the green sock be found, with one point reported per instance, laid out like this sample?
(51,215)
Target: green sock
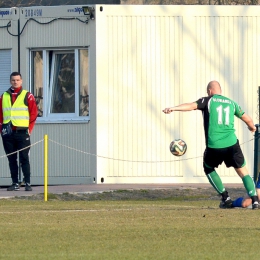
(216,182)
(249,185)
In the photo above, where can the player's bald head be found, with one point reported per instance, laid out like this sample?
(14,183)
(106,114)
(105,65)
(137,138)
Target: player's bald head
(213,88)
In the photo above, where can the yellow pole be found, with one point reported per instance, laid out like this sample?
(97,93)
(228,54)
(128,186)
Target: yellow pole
(45,167)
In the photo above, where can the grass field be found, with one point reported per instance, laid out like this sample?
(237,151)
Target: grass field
(159,229)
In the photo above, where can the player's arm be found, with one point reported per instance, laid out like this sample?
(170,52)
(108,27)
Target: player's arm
(249,122)
(182,107)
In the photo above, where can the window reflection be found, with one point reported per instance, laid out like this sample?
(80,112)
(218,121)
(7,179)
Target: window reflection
(63,88)
(38,80)
(83,83)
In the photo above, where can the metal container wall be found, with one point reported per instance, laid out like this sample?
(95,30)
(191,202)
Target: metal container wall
(160,56)
(142,59)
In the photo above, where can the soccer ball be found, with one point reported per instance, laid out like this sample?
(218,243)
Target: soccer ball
(178,147)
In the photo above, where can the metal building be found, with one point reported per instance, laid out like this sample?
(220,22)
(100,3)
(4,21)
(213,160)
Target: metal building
(101,80)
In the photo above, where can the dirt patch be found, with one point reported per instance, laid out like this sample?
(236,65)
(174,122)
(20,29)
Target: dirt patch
(144,194)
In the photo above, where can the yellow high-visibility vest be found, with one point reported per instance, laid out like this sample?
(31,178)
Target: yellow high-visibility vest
(17,113)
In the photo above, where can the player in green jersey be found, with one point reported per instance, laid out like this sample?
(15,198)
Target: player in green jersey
(221,142)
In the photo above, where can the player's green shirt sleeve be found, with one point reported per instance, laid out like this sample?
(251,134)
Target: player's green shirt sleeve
(238,110)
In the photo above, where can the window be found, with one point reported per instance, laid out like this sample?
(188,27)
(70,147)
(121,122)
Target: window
(59,82)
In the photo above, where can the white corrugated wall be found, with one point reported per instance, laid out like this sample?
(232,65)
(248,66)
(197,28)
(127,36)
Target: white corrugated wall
(151,57)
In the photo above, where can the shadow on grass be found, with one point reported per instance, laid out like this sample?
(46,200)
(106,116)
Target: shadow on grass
(128,195)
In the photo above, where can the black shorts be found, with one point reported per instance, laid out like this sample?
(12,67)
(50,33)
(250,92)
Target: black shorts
(232,156)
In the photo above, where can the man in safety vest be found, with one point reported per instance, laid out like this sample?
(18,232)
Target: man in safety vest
(18,113)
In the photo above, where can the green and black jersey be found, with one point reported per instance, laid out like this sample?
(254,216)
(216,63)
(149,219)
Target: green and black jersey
(218,114)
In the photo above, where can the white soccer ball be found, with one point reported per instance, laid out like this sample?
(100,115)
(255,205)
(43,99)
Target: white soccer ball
(178,147)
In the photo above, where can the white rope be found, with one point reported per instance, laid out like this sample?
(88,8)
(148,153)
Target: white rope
(105,157)
(21,149)
(123,160)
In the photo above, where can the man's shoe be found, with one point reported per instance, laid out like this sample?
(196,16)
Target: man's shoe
(255,205)
(226,204)
(28,187)
(14,186)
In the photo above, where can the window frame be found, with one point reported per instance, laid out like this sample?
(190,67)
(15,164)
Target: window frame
(48,77)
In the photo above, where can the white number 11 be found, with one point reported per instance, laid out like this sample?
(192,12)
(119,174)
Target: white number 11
(220,114)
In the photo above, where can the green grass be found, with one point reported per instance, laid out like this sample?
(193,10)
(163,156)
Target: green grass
(159,229)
